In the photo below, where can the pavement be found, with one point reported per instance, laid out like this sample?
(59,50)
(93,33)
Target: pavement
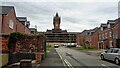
(52,60)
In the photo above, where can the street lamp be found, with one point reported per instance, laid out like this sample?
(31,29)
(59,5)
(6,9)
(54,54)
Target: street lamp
(69,38)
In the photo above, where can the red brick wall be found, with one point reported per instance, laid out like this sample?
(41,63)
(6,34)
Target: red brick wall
(0,23)
(78,39)
(105,41)
(82,39)
(30,43)
(20,27)
(95,39)
(4,43)
(119,29)
(27,31)
(6,19)
(116,30)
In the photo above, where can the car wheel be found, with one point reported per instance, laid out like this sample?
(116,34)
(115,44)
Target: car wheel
(117,61)
(102,57)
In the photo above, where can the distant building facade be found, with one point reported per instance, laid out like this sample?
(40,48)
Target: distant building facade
(86,37)
(58,35)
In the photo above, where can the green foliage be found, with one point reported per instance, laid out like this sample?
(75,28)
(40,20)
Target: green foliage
(13,38)
(86,47)
(48,48)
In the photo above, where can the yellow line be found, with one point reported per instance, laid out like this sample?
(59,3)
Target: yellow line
(65,62)
(68,63)
(61,59)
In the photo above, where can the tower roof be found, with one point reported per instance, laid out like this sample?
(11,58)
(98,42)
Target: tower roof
(57,15)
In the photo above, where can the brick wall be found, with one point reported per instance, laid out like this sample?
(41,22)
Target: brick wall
(27,30)
(20,27)
(116,32)
(81,40)
(30,44)
(4,44)
(0,23)
(6,19)
(95,39)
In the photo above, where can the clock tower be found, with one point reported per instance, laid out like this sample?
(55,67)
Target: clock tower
(56,21)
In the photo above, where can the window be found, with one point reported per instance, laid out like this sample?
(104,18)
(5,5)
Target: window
(110,51)
(99,37)
(113,36)
(115,51)
(106,36)
(108,25)
(11,24)
(111,44)
(116,36)
(110,34)
(103,36)
(101,28)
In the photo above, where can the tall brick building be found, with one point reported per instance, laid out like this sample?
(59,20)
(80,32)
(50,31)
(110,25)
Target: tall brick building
(59,36)
(109,34)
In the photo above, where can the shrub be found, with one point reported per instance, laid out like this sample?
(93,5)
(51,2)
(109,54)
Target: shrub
(13,38)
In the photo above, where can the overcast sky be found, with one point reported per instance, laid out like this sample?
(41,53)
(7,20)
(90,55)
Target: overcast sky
(75,16)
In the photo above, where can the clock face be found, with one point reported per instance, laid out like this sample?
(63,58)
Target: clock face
(56,25)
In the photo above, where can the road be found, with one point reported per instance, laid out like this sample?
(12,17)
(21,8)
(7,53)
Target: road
(74,58)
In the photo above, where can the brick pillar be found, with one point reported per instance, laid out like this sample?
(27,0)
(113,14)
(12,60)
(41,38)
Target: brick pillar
(38,57)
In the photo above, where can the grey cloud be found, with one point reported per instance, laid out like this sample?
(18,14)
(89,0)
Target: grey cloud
(75,15)
(72,20)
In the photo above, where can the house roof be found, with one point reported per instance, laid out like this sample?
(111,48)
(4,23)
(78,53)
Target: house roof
(28,22)
(32,29)
(5,9)
(103,25)
(90,30)
(22,19)
(111,21)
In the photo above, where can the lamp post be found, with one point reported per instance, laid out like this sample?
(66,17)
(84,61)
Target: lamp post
(69,38)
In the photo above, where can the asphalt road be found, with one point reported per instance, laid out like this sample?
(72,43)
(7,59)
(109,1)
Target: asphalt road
(77,59)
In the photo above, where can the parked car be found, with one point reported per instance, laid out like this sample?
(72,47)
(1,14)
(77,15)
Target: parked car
(112,54)
(78,46)
(56,46)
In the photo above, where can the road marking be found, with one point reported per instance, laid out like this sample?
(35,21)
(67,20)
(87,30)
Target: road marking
(105,65)
(61,59)
(68,63)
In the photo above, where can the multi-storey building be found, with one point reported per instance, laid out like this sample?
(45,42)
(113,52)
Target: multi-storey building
(59,36)
(108,35)
(116,34)
(85,37)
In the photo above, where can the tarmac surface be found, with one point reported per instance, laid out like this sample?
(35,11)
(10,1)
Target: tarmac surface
(52,60)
